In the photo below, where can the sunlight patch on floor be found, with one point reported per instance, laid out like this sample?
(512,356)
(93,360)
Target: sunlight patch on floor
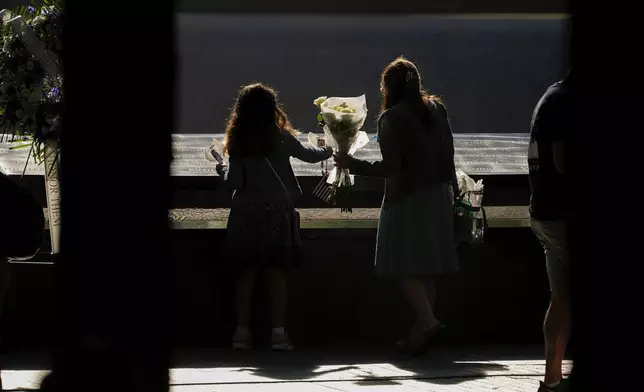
(26,379)
(286,377)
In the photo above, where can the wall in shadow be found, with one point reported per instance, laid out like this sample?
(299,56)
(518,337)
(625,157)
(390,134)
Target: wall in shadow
(490,70)
(499,296)
(210,192)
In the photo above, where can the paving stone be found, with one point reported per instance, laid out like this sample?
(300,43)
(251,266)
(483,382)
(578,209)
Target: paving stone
(449,370)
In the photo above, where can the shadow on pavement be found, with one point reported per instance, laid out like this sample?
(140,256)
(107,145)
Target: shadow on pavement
(360,366)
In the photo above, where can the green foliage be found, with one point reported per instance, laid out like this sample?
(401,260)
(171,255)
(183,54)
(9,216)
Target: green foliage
(31,100)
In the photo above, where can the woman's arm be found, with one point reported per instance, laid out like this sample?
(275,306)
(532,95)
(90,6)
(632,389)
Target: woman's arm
(389,147)
(304,153)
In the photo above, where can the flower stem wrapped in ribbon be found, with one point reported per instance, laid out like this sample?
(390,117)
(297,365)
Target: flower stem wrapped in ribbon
(342,119)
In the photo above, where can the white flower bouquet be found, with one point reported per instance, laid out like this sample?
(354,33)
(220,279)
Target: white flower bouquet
(342,119)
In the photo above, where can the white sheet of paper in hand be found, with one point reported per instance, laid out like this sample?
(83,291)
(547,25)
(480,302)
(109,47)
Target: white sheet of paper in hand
(312,139)
(215,152)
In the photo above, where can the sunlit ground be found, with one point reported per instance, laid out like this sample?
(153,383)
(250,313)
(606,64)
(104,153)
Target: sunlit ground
(497,375)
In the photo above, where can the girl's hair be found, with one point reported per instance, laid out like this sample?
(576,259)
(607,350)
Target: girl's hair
(400,83)
(255,122)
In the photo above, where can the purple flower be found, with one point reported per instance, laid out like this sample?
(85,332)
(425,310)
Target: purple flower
(31,9)
(54,94)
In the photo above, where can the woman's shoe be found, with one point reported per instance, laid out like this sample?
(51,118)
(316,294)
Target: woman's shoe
(419,340)
(563,386)
(403,342)
(281,342)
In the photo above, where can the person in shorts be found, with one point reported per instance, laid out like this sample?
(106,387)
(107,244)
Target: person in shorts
(551,125)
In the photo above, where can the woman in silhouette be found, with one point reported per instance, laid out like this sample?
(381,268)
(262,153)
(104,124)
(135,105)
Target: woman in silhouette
(262,230)
(415,240)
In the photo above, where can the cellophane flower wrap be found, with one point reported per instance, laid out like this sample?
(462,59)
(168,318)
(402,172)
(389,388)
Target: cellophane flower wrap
(342,119)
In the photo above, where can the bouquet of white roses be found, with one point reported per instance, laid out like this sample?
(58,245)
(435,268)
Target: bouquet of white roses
(341,119)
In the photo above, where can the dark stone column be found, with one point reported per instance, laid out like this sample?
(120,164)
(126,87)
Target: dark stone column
(114,279)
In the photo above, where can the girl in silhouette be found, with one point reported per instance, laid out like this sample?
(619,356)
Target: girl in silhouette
(262,230)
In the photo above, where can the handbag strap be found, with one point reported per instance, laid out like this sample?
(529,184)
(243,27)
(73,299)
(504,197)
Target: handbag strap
(288,195)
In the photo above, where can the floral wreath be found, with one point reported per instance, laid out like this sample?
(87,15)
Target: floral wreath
(31,100)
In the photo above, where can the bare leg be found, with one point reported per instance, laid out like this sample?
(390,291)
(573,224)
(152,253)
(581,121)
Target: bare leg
(277,286)
(556,328)
(416,293)
(244,297)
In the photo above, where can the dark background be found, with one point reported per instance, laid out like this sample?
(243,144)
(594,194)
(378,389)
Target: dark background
(370,6)
(491,70)
(435,6)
